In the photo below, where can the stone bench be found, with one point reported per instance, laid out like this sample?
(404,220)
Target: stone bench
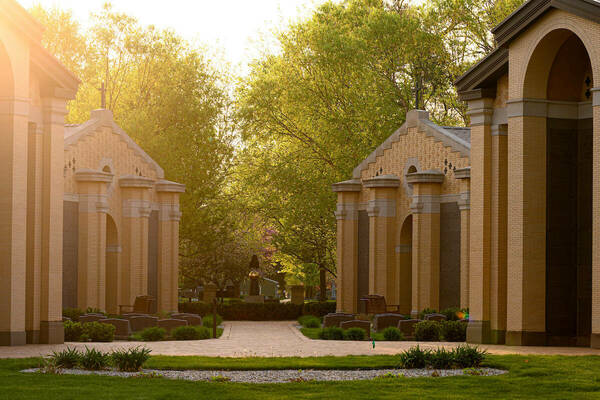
(122,327)
(382,321)
(171,323)
(139,323)
(407,327)
(192,319)
(335,319)
(435,317)
(357,323)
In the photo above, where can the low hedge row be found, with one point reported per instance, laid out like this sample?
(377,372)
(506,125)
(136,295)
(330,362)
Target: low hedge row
(260,312)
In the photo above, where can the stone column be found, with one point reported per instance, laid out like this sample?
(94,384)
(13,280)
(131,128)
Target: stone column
(425,207)
(464,205)
(498,236)
(526,253)
(595,337)
(480,112)
(168,244)
(135,192)
(54,109)
(14,113)
(348,193)
(382,235)
(91,259)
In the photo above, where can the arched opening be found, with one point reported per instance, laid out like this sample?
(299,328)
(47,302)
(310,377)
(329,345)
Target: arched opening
(569,199)
(113,253)
(405,266)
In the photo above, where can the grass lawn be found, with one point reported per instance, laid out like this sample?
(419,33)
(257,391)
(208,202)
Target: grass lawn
(530,377)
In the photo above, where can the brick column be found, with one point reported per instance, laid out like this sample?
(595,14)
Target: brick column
(134,258)
(168,245)
(14,113)
(54,109)
(464,205)
(426,239)
(347,244)
(595,337)
(382,236)
(526,252)
(91,259)
(480,112)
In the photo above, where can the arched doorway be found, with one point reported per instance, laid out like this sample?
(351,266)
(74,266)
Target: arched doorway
(405,266)
(557,149)
(113,254)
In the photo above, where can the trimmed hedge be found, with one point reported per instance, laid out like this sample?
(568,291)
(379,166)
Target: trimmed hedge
(260,312)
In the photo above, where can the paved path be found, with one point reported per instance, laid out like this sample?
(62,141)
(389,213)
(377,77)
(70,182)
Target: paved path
(277,339)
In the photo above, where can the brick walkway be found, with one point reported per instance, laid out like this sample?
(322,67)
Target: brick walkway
(276,339)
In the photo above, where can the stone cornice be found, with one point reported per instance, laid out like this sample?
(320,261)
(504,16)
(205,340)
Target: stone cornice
(353,185)
(132,181)
(431,176)
(382,181)
(463,173)
(90,175)
(550,108)
(168,186)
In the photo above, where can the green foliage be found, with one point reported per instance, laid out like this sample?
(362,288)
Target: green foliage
(98,332)
(426,311)
(427,331)
(309,321)
(207,320)
(94,310)
(454,331)
(392,333)
(130,360)
(331,333)
(451,313)
(319,308)
(466,356)
(94,360)
(441,359)
(73,313)
(68,358)
(153,334)
(238,311)
(415,357)
(73,331)
(191,333)
(355,334)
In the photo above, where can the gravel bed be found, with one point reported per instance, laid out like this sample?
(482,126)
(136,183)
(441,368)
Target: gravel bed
(283,376)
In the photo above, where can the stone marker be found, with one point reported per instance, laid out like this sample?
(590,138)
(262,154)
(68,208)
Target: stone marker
(192,319)
(382,321)
(356,323)
(407,327)
(435,317)
(122,327)
(142,322)
(171,323)
(91,318)
(335,319)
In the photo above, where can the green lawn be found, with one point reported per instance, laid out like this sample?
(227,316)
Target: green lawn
(530,377)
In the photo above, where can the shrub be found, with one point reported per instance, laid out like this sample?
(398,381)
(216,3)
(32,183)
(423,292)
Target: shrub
(426,311)
(203,332)
(73,313)
(207,320)
(454,331)
(130,360)
(427,331)
(98,332)
(392,334)
(451,313)
(319,308)
(309,321)
(331,333)
(94,360)
(73,331)
(466,356)
(355,334)
(153,334)
(414,357)
(441,359)
(184,333)
(93,310)
(68,358)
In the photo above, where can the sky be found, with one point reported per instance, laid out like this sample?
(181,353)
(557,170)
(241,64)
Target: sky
(232,27)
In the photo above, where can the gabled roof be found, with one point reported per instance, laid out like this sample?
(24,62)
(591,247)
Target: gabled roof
(457,138)
(495,64)
(100,118)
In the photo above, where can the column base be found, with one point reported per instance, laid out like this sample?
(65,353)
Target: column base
(497,336)
(479,332)
(595,340)
(525,338)
(33,337)
(52,332)
(13,338)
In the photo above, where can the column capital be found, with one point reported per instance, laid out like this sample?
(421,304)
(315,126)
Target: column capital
(430,176)
(90,175)
(381,208)
(481,111)
(382,181)
(169,187)
(353,185)
(463,173)
(133,181)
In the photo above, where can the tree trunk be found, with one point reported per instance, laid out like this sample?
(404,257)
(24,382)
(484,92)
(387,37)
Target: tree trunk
(323,284)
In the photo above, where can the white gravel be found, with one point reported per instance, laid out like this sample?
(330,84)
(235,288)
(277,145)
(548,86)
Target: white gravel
(281,376)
